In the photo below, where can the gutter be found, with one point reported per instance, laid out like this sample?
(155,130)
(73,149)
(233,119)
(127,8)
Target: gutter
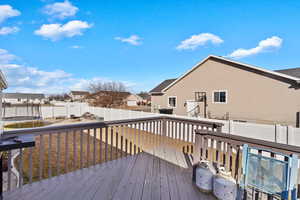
(156,93)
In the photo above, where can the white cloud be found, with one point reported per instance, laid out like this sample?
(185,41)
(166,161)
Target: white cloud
(83,84)
(8,30)
(133,40)
(267,45)
(6,11)
(22,78)
(61,10)
(6,57)
(58,31)
(76,47)
(199,40)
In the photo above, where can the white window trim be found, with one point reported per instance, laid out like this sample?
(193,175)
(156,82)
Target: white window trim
(175,101)
(213,97)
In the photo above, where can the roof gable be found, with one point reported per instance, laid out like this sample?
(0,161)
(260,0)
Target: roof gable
(160,87)
(80,92)
(291,72)
(23,96)
(261,71)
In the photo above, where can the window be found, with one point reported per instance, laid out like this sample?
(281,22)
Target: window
(172,102)
(220,97)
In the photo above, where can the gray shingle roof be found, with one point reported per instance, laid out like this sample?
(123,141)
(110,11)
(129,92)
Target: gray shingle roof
(23,96)
(80,92)
(162,85)
(291,72)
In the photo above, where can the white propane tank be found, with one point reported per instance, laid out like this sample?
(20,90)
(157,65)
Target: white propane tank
(204,176)
(224,186)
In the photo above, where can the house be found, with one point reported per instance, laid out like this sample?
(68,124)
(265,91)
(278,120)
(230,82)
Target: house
(78,95)
(113,98)
(133,100)
(221,88)
(146,98)
(157,93)
(19,98)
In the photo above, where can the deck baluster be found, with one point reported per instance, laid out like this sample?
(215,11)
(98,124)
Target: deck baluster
(58,153)
(41,157)
(88,148)
(100,144)
(111,142)
(139,136)
(81,148)
(30,164)
(121,131)
(184,125)
(9,171)
(66,151)
(94,145)
(49,155)
(21,167)
(218,151)
(106,141)
(126,146)
(135,140)
(74,151)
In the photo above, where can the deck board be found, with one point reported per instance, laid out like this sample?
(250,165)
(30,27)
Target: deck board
(142,176)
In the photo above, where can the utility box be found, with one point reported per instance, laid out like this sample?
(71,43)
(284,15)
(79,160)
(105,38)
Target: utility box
(168,111)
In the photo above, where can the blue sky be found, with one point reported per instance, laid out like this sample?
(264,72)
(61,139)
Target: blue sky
(53,46)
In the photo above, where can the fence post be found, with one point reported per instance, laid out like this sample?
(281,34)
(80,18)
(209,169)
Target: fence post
(290,135)
(280,134)
(53,112)
(230,127)
(298,119)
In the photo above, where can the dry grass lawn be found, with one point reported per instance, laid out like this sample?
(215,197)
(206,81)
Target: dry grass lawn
(66,162)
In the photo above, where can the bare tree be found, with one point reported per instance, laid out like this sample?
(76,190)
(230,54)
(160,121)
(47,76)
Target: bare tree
(113,86)
(107,94)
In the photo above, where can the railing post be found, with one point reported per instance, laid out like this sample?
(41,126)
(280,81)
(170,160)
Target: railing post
(198,146)
(164,127)
(1,176)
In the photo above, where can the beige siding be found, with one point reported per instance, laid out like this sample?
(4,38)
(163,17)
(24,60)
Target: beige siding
(251,96)
(158,101)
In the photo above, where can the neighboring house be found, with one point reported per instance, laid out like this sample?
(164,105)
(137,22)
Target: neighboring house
(146,98)
(224,89)
(113,98)
(19,98)
(157,93)
(78,95)
(133,100)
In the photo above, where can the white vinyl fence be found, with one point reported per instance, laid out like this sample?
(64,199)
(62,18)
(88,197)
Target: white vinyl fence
(274,133)
(78,109)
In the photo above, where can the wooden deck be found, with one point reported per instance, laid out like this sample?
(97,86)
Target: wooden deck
(163,147)
(141,176)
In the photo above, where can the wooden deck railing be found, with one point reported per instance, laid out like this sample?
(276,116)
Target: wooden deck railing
(65,148)
(226,150)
